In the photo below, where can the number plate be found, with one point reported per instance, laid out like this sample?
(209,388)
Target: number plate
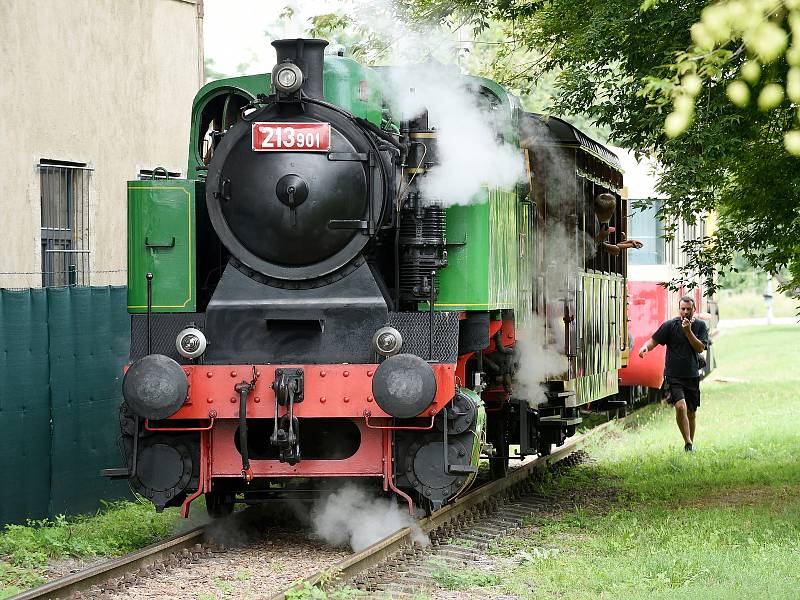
(291,137)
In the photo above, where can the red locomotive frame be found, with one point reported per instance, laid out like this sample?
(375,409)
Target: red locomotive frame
(338,390)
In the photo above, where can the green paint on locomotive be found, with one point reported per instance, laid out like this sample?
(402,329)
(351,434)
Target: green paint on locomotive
(158,212)
(477,429)
(490,265)
(355,88)
(161,241)
(482,270)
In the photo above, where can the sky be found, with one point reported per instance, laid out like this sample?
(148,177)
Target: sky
(233,30)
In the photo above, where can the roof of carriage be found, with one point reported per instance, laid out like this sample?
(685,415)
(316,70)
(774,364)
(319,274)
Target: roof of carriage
(549,130)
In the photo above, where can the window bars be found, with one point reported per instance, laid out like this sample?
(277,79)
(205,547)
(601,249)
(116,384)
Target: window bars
(65,223)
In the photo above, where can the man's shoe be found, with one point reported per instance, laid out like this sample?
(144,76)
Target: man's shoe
(688,448)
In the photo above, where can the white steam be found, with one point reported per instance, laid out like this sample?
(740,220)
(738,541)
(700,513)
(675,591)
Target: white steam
(539,359)
(471,154)
(352,516)
(541,345)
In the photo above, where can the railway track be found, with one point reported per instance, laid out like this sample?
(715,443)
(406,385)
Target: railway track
(102,573)
(393,566)
(459,532)
(237,556)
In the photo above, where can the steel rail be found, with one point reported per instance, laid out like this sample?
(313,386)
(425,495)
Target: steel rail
(402,538)
(63,587)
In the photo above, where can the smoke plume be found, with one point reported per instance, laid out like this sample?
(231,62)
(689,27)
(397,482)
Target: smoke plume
(471,155)
(540,358)
(352,516)
(426,76)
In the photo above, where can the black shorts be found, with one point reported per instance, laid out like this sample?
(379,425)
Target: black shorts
(685,388)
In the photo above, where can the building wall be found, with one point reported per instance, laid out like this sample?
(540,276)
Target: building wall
(104,82)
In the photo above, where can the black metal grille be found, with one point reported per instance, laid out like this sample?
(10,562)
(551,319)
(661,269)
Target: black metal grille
(422,236)
(65,223)
(413,326)
(164,330)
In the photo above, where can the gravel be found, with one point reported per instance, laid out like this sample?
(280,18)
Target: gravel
(254,570)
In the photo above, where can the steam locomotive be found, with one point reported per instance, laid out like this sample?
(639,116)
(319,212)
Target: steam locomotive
(303,313)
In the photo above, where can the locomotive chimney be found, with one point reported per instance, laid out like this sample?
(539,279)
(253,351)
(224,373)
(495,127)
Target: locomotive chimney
(308,54)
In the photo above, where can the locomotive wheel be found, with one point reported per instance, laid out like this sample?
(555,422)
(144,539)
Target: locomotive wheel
(219,504)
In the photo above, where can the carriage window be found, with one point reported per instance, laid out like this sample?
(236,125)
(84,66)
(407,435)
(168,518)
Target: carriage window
(647,229)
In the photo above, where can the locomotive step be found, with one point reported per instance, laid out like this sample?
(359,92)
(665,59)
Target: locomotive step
(616,403)
(560,421)
(554,395)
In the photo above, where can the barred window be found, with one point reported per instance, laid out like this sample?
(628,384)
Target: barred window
(65,222)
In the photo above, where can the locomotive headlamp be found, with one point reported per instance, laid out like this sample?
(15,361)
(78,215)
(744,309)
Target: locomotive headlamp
(191,342)
(287,77)
(387,341)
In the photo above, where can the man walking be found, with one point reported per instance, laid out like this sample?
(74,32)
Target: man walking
(684,337)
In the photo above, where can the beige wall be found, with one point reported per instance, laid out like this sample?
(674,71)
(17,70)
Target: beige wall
(104,82)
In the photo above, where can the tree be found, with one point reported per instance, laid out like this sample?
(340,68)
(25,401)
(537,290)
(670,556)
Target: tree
(491,52)
(210,73)
(629,66)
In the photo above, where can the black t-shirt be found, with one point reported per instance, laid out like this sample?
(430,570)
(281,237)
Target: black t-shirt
(681,357)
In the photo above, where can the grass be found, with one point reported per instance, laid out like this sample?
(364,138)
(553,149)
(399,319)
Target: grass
(302,590)
(119,528)
(463,579)
(750,304)
(650,521)
(646,520)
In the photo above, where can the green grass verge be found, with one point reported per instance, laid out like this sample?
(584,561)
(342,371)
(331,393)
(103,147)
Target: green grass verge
(750,304)
(463,579)
(119,528)
(650,521)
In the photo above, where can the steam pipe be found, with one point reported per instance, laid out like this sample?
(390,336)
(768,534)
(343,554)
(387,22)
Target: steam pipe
(379,132)
(244,389)
(491,364)
(430,316)
(498,341)
(397,262)
(388,471)
(247,472)
(149,277)
(135,449)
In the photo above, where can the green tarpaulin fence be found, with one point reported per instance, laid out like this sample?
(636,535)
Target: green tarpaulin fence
(61,357)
